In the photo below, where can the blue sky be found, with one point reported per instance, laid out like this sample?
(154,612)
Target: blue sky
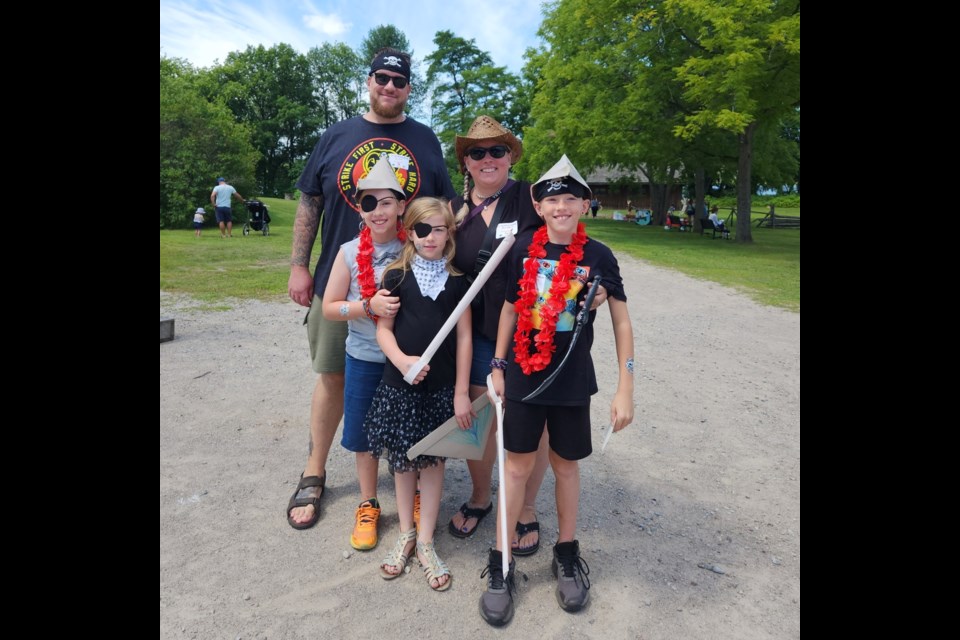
(206,30)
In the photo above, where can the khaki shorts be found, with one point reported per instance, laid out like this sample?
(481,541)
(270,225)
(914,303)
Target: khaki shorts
(327,340)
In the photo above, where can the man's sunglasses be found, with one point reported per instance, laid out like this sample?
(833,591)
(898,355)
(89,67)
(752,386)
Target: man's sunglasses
(383,79)
(479,153)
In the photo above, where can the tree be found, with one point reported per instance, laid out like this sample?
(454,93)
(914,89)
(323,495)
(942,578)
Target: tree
(338,74)
(744,74)
(778,169)
(665,86)
(199,140)
(465,84)
(600,98)
(272,91)
(383,36)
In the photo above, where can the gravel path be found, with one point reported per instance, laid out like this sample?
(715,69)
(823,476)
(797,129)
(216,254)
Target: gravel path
(690,521)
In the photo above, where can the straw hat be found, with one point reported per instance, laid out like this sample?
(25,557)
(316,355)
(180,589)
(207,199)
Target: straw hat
(487,131)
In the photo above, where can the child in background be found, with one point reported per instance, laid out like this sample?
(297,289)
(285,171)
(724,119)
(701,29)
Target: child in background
(429,289)
(353,281)
(536,329)
(198,221)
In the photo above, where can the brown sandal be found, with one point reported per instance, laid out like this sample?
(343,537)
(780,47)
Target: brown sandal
(308,499)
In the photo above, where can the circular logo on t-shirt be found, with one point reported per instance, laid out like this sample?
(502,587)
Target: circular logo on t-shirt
(368,153)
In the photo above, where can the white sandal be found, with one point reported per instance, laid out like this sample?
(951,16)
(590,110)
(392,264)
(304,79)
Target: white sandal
(397,558)
(434,568)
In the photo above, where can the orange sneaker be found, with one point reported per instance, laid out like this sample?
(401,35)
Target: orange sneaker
(416,510)
(364,535)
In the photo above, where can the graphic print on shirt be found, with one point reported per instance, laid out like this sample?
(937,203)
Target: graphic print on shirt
(381,261)
(368,153)
(545,273)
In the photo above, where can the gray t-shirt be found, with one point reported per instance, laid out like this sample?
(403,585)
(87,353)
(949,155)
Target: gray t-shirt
(362,335)
(224,191)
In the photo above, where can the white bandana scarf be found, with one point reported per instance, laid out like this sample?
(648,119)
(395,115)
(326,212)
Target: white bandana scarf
(431,275)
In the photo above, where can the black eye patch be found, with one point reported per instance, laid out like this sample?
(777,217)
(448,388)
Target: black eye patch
(422,229)
(369,203)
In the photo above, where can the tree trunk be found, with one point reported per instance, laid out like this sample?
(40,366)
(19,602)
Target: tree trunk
(699,189)
(744,179)
(658,204)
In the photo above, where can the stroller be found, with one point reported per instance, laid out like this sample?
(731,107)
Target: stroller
(259,218)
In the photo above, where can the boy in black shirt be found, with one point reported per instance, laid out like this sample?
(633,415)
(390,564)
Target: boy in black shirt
(536,330)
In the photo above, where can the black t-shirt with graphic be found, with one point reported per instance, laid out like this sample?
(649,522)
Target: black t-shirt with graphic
(345,153)
(578,381)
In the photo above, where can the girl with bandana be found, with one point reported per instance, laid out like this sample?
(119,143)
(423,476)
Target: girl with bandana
(429,288)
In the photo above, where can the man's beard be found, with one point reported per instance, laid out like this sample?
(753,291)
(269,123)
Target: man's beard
(386,112)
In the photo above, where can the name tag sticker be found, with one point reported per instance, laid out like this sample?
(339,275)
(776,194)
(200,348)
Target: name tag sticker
(398,162)
(504,227)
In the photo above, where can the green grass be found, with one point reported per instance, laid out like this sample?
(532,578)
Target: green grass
(767,270)
(211,269)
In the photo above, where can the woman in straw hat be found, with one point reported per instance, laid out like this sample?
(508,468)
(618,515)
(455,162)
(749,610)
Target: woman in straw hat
(484,212)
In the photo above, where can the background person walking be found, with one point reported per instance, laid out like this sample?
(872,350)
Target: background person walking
(220,199)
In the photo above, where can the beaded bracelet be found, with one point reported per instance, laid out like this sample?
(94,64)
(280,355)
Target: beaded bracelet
(498,363)
(367,310)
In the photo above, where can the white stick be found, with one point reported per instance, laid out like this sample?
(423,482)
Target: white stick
(501,472)
(468,297)
(606,438)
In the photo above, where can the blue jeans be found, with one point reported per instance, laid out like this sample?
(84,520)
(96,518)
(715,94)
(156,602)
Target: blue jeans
(482,355)
(360,382)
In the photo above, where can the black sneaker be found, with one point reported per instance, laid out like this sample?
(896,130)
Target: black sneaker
(496,603)
(571,571)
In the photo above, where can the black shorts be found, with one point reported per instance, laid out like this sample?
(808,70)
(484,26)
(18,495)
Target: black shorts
(569,428)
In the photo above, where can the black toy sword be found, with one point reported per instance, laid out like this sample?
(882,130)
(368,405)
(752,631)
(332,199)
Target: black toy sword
(581,320)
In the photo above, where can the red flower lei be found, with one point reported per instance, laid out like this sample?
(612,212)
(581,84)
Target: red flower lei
(368,284)
(550,310)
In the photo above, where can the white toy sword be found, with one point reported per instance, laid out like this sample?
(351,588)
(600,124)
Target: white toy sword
(468,297)
(502,476)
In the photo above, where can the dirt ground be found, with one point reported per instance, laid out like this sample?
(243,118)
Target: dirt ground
(690,521)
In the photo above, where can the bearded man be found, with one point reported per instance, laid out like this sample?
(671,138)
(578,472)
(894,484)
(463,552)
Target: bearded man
(344,155)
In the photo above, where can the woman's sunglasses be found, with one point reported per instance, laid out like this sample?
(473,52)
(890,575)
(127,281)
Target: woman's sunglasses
(479,153)
(383,79)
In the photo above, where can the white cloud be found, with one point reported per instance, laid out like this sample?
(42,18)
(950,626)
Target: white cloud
(205,31)
(327,24)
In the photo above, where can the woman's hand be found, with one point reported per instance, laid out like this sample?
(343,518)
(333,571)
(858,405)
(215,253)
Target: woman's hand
(498,384)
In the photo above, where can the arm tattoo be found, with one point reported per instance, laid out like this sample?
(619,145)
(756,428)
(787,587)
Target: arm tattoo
(305,228)
(630,365)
